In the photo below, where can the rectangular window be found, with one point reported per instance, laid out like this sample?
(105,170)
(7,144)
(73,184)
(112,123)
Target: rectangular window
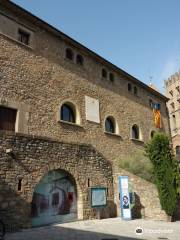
(177,150)
(7,119)
(171,93)
(178,89)
(23,36)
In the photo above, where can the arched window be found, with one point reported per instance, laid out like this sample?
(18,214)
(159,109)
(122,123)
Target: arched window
(68,113)
(104,73)
(152,134)
(111,77)
(109,125)
(135,132)
(135,91)
(129,87)
(69,54)
(79,60)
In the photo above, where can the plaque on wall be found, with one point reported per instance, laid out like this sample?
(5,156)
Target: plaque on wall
(92,109)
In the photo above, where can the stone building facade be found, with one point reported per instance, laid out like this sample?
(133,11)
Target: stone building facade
(172,86)
(69,110)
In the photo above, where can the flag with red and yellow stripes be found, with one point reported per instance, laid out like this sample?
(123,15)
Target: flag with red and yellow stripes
(157,115)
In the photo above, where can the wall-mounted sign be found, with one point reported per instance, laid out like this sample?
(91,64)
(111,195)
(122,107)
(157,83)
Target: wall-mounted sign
(98,196)
(124,198)
(92,109)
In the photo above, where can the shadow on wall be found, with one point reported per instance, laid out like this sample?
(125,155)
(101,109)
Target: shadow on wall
(110,211)
(138,210)
(14,211)
(176,215)
(64,233)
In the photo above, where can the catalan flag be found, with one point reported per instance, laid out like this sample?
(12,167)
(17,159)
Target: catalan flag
(157,115)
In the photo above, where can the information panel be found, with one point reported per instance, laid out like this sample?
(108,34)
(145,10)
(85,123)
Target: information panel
(124,198)
(98,196)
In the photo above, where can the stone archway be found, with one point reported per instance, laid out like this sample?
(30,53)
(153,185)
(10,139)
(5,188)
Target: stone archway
(54,199)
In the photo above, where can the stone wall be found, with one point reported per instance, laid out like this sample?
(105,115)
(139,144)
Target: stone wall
(36,80)
(147,204)
(43,84)
(32,158)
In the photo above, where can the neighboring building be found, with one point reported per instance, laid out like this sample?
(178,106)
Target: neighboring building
(172,86)
(66,117)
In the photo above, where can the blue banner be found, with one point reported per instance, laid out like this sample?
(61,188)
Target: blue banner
(124,198)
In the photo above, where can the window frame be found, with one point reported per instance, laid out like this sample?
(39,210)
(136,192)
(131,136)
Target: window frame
(76,110)
(71,52)
(152,133)
(112,125)
(129,87)
(135,91)
(71,113)
(111,77)
(104,73)
(133,135)
(23,33)
(79,60)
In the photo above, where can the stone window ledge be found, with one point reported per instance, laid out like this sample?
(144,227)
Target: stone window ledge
(16,41)
(137,140)
(70,123)
(112,134)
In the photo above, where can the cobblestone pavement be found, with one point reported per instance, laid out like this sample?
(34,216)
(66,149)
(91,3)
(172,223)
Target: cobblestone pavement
(113,229)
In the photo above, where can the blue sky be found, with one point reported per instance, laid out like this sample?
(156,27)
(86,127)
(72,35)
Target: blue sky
(140,36)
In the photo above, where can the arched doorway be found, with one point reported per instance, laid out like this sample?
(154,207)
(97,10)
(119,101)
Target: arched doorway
(54,199)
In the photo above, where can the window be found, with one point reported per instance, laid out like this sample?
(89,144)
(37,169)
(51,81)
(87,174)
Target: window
(174,120)
(20,184)
(177,150)
(135,91)
(67,113)
(79,60)
(69,54)
(88,183)
(172,105)
(111,77)
(178,89)
(151,103)
(135,132)
(7,119)
(109,125)
(171,93)
(152,134)
(129,87)
(23,36)
(104,73)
